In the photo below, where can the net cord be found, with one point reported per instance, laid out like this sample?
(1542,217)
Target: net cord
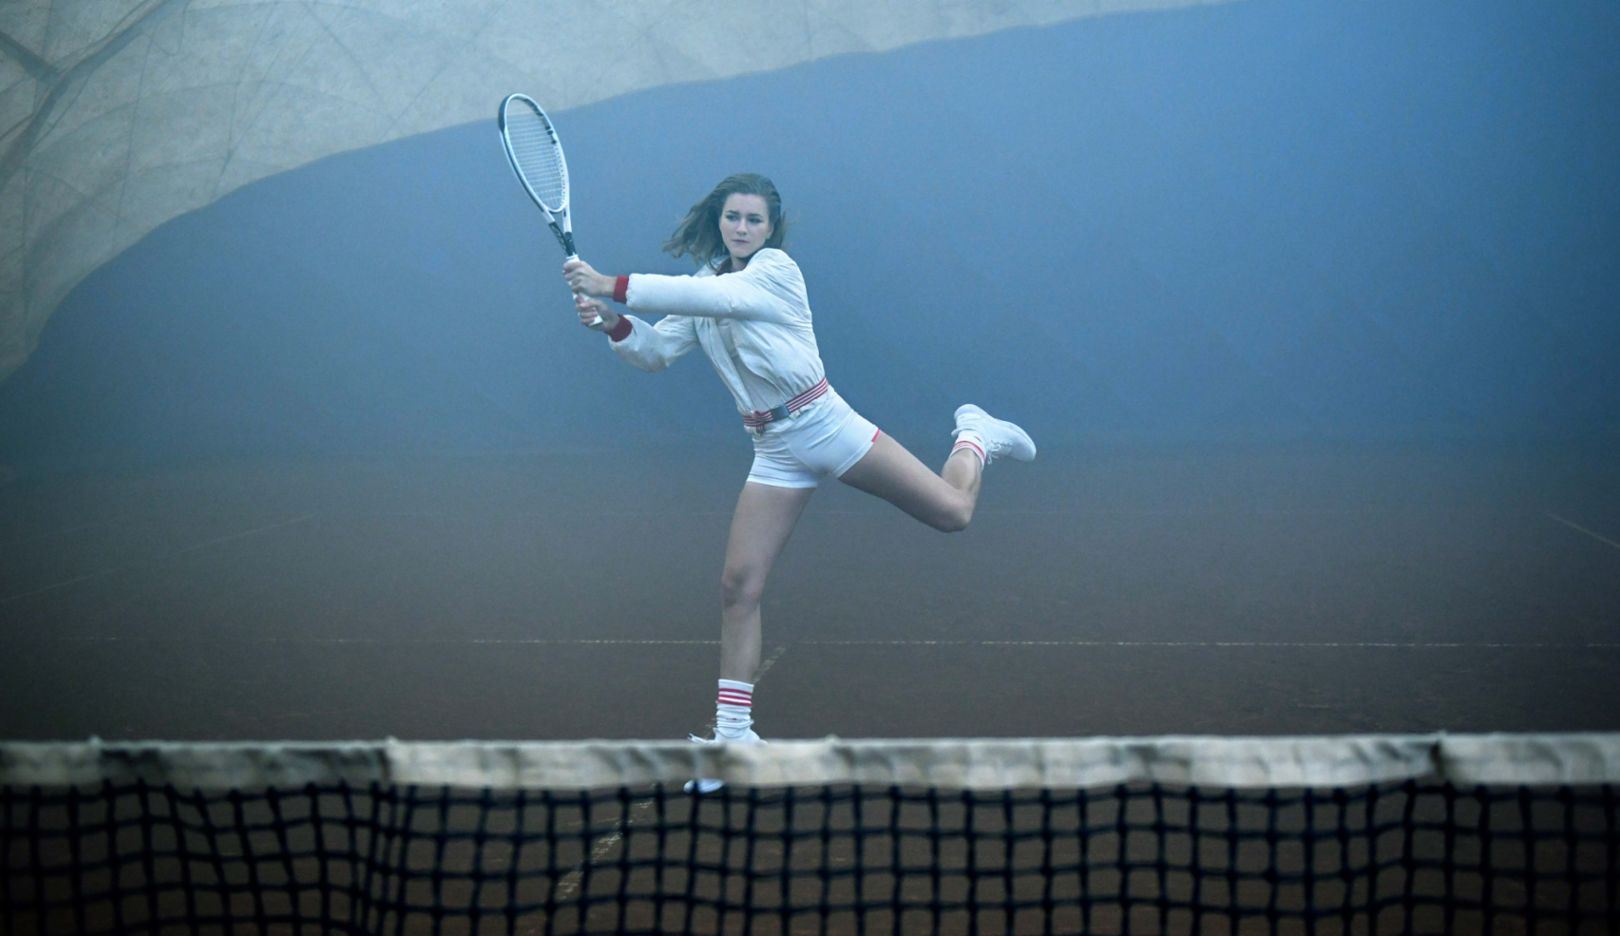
(974,764)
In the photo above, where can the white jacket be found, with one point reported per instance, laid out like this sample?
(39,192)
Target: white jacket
(754,325)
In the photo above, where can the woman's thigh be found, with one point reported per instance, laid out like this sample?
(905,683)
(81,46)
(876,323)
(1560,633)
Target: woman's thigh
(891,472)
(760,527)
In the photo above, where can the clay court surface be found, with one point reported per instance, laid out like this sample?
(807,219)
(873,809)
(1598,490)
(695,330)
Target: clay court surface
(1098,592)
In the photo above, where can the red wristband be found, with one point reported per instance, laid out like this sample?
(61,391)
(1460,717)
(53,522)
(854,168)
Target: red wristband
(621,286)
(621,331)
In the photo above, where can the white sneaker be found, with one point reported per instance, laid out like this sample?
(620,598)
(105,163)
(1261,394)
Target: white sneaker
(999,436)
(704,785)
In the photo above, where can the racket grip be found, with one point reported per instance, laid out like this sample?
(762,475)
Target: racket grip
(595,320)
(598,319)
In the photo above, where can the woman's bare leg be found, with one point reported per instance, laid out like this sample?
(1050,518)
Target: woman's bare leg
(944,501)
(764,518)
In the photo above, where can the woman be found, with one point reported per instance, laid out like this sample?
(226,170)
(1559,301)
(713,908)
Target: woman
(746,307)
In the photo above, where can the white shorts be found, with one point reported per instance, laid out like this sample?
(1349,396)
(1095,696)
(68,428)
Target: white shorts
(824,440)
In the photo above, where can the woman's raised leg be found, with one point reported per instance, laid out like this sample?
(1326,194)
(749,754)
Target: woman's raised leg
(944,501)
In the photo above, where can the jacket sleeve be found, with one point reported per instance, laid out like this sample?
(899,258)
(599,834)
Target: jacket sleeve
(655,347)
(770,289)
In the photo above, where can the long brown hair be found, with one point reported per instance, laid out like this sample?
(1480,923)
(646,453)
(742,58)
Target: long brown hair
(698,234)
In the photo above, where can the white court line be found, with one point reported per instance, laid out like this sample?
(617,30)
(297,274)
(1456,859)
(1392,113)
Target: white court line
(568,886)
(112,570)
(232,537)
(879,513)
(1077,644)
(1222,644)
(1576,526)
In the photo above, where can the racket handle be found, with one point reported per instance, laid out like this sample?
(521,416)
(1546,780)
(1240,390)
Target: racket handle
(598,319)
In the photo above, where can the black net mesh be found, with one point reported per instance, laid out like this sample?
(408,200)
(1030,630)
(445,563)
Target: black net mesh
(1415,856)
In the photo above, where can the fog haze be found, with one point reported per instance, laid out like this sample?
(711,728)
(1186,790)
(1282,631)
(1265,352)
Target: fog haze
(1264,222)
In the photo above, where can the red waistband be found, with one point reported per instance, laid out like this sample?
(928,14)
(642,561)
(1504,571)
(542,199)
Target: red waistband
(761,417)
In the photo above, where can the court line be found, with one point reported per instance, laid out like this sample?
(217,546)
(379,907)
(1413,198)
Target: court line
(1076,644)
(232,537)
(113,570)
(1576,526)
(568,885)
(879,512)
(1221,644)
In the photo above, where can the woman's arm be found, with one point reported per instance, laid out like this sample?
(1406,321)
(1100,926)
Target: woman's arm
(650,348)
(770,289)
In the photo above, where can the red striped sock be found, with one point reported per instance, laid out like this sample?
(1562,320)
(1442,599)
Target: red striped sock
(973,444)
(734,708)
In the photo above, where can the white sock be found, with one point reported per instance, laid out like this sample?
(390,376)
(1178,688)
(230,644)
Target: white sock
(733,709)
(974,443)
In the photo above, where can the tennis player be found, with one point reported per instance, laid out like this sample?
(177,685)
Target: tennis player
(747,308)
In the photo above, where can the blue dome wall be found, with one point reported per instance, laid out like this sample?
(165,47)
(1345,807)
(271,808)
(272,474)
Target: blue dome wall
(1380,223)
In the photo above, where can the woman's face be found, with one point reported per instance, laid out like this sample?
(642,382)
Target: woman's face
(745,225)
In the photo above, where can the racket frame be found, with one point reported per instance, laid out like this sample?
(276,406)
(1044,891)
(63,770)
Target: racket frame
(557,216)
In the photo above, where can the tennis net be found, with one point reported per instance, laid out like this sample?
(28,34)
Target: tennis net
(1372,834)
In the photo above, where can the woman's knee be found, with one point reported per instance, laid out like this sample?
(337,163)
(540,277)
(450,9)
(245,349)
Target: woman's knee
(741,585)
(952,516)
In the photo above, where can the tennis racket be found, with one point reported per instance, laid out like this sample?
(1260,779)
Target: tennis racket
(536,155)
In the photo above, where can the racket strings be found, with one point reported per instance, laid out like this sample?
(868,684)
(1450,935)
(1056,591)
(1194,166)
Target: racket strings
(538,157)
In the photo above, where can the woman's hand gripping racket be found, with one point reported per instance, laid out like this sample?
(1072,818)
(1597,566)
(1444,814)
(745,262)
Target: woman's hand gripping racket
(536,155)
